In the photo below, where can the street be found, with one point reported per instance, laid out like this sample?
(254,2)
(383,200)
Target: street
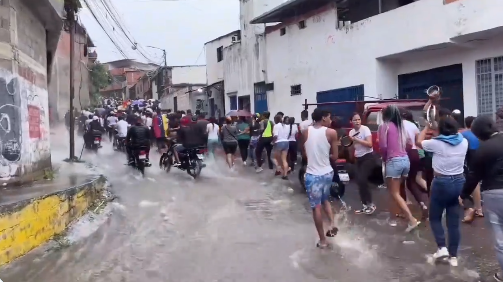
(237,226)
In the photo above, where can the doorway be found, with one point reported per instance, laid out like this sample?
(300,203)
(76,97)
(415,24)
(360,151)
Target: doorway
(244,103)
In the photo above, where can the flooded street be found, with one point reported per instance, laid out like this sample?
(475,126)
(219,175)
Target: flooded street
(229,226)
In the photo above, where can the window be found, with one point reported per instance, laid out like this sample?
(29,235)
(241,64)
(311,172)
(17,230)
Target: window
(489,75)
(220,53)
(233,102)
(302,24)
(282,31)
(296,89)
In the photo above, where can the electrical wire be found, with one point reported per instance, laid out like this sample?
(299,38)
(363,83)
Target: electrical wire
(103,28)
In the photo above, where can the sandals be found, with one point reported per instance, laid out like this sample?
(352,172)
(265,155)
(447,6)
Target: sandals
(323,246)
(471,214)
(332,232)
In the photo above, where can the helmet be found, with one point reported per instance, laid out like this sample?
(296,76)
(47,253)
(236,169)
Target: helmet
(194,118)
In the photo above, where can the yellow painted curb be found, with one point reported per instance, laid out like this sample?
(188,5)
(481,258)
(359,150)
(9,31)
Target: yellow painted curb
(27,224)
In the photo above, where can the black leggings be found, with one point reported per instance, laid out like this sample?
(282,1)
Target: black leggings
(365,167)
(292,154)
(264,142)
(243,149)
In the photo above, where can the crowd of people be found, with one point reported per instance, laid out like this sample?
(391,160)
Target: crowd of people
(447,165)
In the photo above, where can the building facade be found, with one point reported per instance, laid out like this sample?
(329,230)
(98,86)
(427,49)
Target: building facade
(215,71)
(326,51)
(29,36)
(185,89)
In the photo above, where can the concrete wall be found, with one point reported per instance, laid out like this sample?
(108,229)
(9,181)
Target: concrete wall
(59,88)
(24,110)
(376,50)
(185,101)
(214,68)
(244,63)
(188,75)
(28,224)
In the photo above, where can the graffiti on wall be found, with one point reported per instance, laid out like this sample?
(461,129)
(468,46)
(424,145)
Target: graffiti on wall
(24,138)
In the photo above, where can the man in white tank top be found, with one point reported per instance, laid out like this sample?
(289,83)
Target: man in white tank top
(320,145)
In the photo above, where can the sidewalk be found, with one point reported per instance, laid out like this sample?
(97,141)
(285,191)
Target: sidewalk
(32,214)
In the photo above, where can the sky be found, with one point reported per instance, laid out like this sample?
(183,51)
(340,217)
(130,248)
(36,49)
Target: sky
(181,27)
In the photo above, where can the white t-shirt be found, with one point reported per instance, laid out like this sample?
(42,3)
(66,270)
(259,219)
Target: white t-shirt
(212,130)
(293,135)
(148,121)
(411,130)
(112,120)
(447,159)
(361,150)
(281,132)
(304,124)
(122,127)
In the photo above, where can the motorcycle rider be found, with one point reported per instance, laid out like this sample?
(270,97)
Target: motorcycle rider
(122,128)
(190,135)
(94,128)
(138,136)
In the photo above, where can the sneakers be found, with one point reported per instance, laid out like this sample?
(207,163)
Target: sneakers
(498,277)
(441,253)
(370,209)
(367,209)
(361,211)
(259,169)
(244,163)
(453,261)
(393,223)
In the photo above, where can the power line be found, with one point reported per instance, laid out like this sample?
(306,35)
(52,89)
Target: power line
(110,9)
(103,28)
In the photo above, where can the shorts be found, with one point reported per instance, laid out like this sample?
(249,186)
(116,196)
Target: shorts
(397,167)
(281,146)
(318,188)
(230,147)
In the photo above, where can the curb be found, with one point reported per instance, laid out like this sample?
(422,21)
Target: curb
(30,223)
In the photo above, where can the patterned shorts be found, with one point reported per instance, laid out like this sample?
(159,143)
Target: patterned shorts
(318,188)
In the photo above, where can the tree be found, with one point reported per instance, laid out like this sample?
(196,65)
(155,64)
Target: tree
(100,78)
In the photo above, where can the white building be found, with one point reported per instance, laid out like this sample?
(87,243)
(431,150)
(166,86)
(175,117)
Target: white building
(215,71)
(368,49)
(186,89)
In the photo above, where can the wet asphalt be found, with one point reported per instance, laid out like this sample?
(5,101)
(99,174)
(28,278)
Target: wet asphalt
(238,226)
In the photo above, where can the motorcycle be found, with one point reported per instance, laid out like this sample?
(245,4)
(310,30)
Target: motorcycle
(191,160)
(94,142)
(119,143)
(140,159)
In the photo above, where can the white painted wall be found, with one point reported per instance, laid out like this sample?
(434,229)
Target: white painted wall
(244,63)
(374,51)
(215,69)
(189,75)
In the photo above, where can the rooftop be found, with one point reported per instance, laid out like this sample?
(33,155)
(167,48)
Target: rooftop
(223,36)
(292,8)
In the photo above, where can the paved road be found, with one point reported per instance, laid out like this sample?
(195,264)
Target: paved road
(236,226)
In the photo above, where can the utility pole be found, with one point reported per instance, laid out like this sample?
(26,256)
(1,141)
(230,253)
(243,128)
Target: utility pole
(70,19)
(164,55)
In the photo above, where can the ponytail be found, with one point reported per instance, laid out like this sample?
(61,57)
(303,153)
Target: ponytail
(290,133)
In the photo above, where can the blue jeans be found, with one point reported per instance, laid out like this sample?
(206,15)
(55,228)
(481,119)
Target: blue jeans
(445,191)
(493,212)
(212,144)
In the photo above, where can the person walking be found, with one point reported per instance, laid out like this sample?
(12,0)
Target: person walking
(448,158)
(319,146)
(487,167)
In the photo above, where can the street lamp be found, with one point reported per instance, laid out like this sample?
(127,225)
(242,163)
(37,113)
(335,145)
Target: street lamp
(163,53)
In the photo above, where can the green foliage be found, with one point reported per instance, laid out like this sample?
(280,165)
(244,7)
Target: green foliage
(100,77)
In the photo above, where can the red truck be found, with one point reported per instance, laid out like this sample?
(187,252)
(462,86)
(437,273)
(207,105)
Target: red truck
(371,115)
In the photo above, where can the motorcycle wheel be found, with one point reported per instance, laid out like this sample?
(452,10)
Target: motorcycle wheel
(166,161)
(196,170)
(302,180)
(141,167)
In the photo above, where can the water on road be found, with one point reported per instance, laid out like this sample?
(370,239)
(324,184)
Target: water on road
(224,226)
